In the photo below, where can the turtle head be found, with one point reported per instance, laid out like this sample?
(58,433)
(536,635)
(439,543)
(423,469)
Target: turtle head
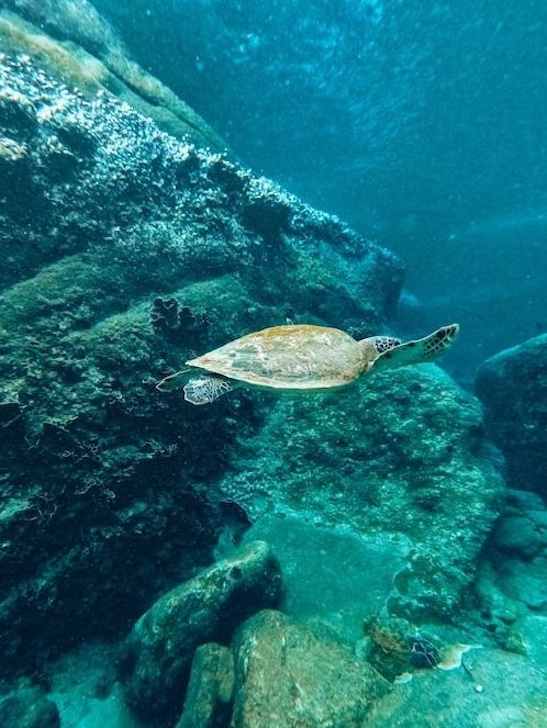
(375,346)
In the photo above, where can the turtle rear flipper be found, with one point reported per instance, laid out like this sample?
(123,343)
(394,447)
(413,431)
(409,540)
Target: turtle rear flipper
(174,381)
(428,349)
(206,389)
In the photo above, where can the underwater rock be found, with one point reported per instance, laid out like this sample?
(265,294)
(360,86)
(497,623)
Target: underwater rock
(401,459)
(109,492)
(532,630)
(72,41)
(395,647)
(28,707)
(210,690)
(162,643)
(512,578)
(288,675)
(513,388)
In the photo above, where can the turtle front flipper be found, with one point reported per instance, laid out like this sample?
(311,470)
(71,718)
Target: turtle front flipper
(419,351)
(205,389)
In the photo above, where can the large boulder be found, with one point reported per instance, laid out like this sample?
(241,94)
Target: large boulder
(162,643)
(288,675)
(394,478)
(513,388)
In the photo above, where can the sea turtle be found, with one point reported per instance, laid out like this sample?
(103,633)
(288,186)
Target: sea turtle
(300,358)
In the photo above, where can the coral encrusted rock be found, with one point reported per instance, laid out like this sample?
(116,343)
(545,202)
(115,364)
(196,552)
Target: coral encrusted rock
(400,459)
(72,41)
(124,252)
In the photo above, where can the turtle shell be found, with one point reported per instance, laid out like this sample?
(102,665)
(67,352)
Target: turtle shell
(296,357)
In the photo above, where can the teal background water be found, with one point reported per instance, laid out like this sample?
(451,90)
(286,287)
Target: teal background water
(422,124)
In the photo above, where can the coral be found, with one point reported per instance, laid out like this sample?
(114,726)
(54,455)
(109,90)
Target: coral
(170,317)
(395,647)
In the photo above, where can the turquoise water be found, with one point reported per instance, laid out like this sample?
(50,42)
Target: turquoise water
(422,124)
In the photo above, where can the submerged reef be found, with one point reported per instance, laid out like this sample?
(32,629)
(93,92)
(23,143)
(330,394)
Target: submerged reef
(105,221)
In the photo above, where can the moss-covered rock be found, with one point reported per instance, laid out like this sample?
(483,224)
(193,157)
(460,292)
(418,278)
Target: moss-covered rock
(162,643)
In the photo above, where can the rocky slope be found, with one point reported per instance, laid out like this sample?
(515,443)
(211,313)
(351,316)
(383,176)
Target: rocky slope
(125,251)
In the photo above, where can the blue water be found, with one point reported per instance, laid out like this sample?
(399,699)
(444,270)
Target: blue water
(420,123)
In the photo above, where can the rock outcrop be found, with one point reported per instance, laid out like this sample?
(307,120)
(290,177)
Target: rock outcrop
(75,44)
(513,388)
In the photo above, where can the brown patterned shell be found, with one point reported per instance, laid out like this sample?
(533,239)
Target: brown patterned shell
(297,357)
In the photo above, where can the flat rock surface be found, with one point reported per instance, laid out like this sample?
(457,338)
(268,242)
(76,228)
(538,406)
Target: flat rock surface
(497,690)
